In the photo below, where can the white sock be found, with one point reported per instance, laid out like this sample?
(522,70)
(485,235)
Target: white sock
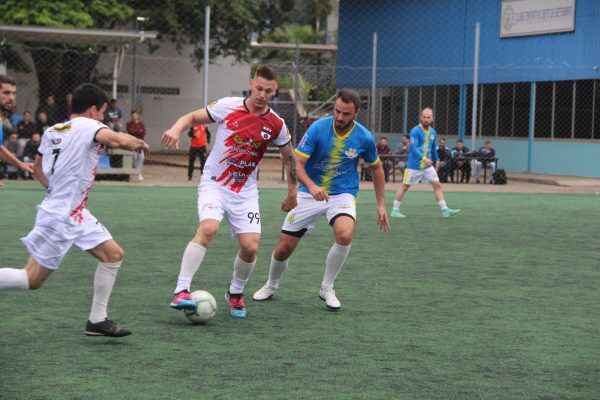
(442,204)
(12,278)
(397,205)
(335,261)
(276,271)
(241,273)
(190,262)
(104,280)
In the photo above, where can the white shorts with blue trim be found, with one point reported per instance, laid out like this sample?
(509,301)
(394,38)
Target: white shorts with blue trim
(302,219)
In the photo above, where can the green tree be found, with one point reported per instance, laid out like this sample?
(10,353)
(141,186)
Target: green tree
(61,67)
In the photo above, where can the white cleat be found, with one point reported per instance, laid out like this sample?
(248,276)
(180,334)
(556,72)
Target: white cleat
(328,295)
(264,293)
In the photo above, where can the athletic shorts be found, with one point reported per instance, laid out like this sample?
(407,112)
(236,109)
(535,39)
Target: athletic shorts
(412,176)
(303,217)
(242,212)
(51,238)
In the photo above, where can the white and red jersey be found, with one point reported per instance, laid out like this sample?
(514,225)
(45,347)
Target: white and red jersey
(241,141)
(69,161)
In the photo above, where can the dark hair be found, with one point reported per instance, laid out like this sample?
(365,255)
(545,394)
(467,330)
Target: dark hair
(459,141)
(266,72)
(406,136)
(86,96)
(383,138)
(349,96)
(7,79)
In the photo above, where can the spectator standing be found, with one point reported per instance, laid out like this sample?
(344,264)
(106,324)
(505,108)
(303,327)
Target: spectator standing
(136,128)
(383,149)
(460,162)
(486,158)
(50,108)
(113,117)
(200,137)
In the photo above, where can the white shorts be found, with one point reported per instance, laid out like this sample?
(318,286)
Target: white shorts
(242,212)
(303,217)
(412,176)
(51,238)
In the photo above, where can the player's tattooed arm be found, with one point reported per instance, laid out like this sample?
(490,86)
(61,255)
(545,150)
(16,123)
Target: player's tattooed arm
(289,161)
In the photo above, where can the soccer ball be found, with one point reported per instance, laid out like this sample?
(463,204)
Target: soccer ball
(206,307)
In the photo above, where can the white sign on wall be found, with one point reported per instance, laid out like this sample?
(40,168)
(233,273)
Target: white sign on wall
(536,17)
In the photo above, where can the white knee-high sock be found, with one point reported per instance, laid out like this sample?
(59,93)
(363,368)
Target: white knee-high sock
(190,262)
(12,278)
(104,280)
(335,261)
(397,205)
(241,274)
(276,271)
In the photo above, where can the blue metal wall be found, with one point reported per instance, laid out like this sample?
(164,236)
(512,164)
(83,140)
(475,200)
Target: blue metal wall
(427,42)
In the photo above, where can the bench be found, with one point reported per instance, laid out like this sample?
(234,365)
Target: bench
(120,165)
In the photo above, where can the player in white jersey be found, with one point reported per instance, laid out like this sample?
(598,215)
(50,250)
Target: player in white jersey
(66,165)
(228,184)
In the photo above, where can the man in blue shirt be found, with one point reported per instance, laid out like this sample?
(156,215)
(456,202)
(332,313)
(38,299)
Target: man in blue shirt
(8,91)
(421,158)
(327,162)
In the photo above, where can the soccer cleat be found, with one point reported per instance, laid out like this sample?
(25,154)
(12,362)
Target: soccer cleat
(397,214)
(237,307)
(106,328)
(265,292)
(448,212)
(182,300)
(328,296)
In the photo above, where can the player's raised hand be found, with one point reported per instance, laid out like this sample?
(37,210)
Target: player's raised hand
(382,219)
(318,193)
(170,138)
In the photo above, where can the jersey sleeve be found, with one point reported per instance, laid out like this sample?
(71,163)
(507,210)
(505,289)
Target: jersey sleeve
(284,136)
(370,154)
(90,131)
(217,110)
(1,133)
(307,144)
(414,145)
(43,145)
(434,149)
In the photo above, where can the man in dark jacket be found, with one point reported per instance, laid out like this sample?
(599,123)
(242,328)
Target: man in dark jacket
(486,159)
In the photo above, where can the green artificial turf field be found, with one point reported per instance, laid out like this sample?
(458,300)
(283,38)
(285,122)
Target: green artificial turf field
(500,301)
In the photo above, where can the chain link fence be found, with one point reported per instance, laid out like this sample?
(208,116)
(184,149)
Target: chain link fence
(399,58)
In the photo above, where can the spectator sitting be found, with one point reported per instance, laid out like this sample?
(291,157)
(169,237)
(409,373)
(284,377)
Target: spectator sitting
(136,128)
(42,123)
(113,116)
(486,158)
(25,129)
(12,145)
(383,149)
(68,106)
(460,163)
(445,161)
(50,108)
(30,151)
(401,153)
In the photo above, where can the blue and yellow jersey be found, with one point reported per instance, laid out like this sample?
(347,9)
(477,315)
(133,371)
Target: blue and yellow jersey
(1,132)
(332,159)
(422,146)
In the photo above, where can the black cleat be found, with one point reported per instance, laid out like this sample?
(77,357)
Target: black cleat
(106,328)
